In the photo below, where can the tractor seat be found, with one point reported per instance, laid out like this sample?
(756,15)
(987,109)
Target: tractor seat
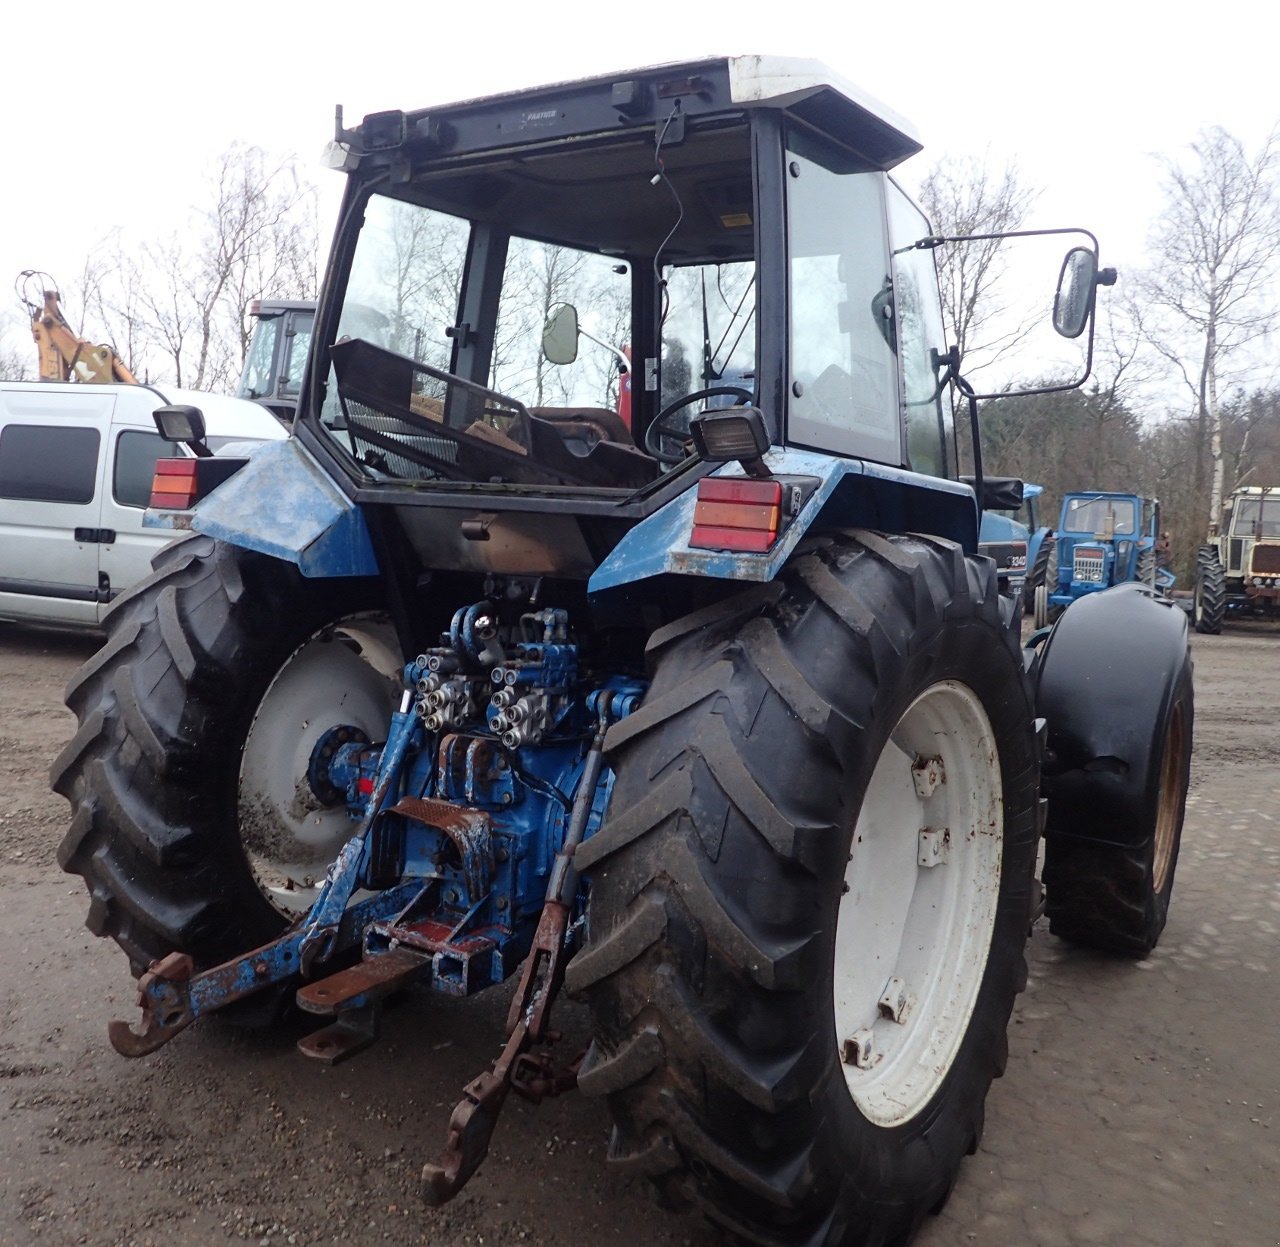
(586,424)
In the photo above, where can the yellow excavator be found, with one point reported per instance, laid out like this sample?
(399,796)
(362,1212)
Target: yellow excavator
(64,354)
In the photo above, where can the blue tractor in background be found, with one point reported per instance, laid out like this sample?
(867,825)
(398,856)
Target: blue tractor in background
(1103,539)
(1020,545)
(714,716)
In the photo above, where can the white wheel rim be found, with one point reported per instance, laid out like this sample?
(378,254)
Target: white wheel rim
(346,674)
(912,931)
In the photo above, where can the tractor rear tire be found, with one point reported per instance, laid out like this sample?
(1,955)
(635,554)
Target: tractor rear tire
(170,841)
(1114,685)
(1210,606)
(762,907)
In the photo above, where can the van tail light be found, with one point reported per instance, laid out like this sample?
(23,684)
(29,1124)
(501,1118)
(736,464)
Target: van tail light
(176,484)
(736,514)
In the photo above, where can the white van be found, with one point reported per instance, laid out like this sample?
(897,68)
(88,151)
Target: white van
(76,464)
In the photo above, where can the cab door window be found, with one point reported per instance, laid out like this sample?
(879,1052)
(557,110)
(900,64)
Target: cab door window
(844,372)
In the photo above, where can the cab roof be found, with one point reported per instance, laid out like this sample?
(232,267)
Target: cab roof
(804,89)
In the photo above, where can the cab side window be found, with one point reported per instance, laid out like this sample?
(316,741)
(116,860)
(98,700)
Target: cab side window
(921,341)
(40,463)
(135,466)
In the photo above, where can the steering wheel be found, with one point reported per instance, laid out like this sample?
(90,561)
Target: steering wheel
(659,428)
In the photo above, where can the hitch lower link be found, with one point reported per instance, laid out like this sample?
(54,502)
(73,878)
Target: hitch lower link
(531,1074)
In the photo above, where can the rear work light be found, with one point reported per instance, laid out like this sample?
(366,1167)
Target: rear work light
(735,514)
(176,484)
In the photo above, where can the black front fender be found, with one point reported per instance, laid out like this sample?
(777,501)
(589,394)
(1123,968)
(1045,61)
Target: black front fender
(1104,681)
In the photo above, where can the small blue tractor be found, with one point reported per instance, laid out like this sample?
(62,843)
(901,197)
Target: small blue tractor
(1103,539)
(508,666)
(1013,536)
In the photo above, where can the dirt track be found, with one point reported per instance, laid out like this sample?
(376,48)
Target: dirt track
(1139,1106)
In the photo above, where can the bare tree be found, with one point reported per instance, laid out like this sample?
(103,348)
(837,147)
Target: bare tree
(962,196)
(16,364)
(255,237)
(1209,294)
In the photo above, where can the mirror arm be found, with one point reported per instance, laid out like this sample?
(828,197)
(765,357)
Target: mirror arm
(623,361)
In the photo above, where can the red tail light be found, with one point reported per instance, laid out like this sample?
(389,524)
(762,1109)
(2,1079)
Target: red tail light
(175,484)
(736,514)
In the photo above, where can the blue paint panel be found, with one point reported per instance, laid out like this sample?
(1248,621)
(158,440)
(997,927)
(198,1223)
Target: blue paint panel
(852,492)
(281,503)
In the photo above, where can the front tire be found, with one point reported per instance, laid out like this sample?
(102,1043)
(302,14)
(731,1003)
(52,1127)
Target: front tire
(1114,684)
(796,1018)
(1210,605)
(192,824)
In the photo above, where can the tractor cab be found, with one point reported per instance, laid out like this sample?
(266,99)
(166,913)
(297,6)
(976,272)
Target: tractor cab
(641,222)
(599,292)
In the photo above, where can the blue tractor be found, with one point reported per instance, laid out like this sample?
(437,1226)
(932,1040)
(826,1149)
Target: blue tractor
(1021,546)
(711,715)
(1104,539)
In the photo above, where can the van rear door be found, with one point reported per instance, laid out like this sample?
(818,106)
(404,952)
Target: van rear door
(51,443)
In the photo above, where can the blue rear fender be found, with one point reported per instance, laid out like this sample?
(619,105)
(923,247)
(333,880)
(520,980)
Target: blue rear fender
(850,493)
(282,503)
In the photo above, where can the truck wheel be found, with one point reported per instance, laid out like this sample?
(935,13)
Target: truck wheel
(1210,605)
(811,893)
(1114,685)
(192,823)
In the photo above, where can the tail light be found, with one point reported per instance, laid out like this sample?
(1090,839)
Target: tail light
(734,514)
(180,483)
(176,484)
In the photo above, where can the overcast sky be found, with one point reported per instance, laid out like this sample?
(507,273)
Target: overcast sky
(113,112)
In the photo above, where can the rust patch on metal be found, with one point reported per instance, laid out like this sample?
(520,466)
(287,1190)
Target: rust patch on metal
(468,830)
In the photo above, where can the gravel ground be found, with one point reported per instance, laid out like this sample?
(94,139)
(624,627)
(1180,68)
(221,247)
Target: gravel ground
(1138,1106)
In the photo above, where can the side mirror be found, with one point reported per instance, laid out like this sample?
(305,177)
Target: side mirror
(182,424)
(560,335)
(1073,302)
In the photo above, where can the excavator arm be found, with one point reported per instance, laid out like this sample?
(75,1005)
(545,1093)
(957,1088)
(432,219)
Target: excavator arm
(64,355)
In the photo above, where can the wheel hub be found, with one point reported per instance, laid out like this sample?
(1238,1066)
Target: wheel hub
(917,915)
